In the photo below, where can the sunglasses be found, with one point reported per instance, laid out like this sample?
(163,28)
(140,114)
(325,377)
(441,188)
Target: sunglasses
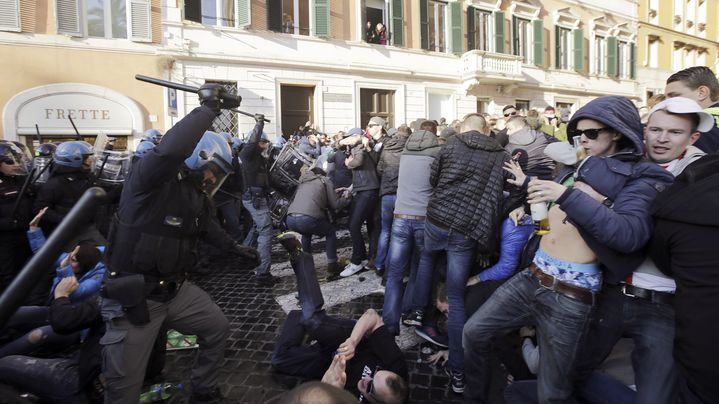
(510,114)
(370,387)
(591,134)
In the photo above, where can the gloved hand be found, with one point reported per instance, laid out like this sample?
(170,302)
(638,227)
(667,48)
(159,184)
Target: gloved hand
(259,118)
(249,253)
(216,97)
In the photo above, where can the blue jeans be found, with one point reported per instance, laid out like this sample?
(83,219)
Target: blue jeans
(361,210)
(460,254)
(561,324)
(407,242)
(230,211)
(308,226)
(599,388)
(651,327)
(383,245)
(52,379)
(261,232)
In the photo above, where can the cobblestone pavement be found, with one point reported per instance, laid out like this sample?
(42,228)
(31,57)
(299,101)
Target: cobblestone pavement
(256,317)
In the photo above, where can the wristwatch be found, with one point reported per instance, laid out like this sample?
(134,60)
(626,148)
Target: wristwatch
(607,202)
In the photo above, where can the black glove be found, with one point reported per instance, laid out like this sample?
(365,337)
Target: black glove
(216,97)
(249,253)
(260,118)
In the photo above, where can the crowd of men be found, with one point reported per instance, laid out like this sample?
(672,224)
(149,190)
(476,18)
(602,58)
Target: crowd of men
(581,231)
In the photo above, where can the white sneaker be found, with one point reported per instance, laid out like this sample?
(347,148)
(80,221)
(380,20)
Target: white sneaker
(352,269)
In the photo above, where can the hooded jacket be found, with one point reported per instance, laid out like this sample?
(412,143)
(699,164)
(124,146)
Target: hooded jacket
(315,194)
(364,169)
(618,233)
(468,180)
(709,141)
(684,246)
(388,166)
(413,187)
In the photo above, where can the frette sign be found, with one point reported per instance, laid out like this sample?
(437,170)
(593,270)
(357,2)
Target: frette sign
(90,113)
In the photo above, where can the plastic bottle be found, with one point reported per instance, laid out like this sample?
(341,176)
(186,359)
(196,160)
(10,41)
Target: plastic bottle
(159,392)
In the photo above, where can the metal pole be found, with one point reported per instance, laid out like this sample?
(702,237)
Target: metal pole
(15,294)
(77,132)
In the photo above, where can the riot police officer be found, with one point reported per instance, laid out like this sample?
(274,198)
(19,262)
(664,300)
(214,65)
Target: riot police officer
(15,212)
(165,208)
(153,135)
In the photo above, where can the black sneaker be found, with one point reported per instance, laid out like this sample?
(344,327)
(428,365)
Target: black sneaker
(456,380)
(429,333)
(413,318)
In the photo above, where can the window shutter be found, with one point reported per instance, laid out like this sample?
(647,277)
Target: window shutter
(274,15)
(424,24)
(457,31)
(579,49)
(243,13)
(140,22)
(515,37)
(471,29)
(322,18)
(68,17)
(10,15)
(397,34)
(538,26)
(499,31)
(557,47)
(612,56)
(632,61)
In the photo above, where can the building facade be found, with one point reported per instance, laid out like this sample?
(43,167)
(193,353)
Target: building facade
(323,61)
(674,35)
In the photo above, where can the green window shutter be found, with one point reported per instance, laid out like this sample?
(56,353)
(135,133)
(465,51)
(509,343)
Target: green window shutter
(499,31)
(397,34)
(243,12)
(274,15)
(457,31)
(557,47)
(471,29)
(612,56)
(632,61)
(322,18)
(579,49)
(538,26)
(515,36)
(424,23)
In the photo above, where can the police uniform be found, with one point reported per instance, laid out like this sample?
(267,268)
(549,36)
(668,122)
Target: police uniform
(14,247)
(161,216)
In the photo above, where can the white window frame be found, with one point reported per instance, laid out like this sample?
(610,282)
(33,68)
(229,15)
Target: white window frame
(566,20)
(107,19)
(447,28)
(490,27)
(359,6)
(10,16)
(652,51)
(524,11)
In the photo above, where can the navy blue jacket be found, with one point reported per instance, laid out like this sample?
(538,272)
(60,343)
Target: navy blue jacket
(617,234)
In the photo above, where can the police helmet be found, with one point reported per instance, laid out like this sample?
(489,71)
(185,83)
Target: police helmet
(45,150)
(213,152)
(73,154)
(152,135)
(143,147)
(237,144)
(227,137)
(12,155)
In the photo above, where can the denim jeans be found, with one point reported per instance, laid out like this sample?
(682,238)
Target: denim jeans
(407,242)
(383,244)
(460,254)
(599,388)
(308,226)
(651,327)
(51,379)
(561,324)
(230,211)
(361,210)
(261,232)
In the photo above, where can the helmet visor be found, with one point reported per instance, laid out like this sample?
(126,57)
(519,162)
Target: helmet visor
(15,162)
(213,177)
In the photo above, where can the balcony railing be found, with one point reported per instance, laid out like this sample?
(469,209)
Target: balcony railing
(496,67)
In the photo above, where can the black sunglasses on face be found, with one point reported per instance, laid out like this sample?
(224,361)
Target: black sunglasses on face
(591,134)
(511,114)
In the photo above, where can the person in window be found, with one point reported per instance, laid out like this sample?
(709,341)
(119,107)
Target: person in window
(288,25)
(381,34)
(370,35)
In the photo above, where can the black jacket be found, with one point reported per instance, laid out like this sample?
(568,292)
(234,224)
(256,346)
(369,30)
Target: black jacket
(162,213)
(60,193)
(341,176)
(684,246)
(255,167)
(364,169)
(10,187)
(388,166)
(468,181)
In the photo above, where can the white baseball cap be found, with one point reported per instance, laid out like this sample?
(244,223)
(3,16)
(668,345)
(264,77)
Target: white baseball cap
(682,105)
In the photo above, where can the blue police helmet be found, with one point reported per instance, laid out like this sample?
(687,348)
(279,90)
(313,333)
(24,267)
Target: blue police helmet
(227,137)
(237,143)
(72,154)
(153,135)
(45,150)
(211,149)
(143,147)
